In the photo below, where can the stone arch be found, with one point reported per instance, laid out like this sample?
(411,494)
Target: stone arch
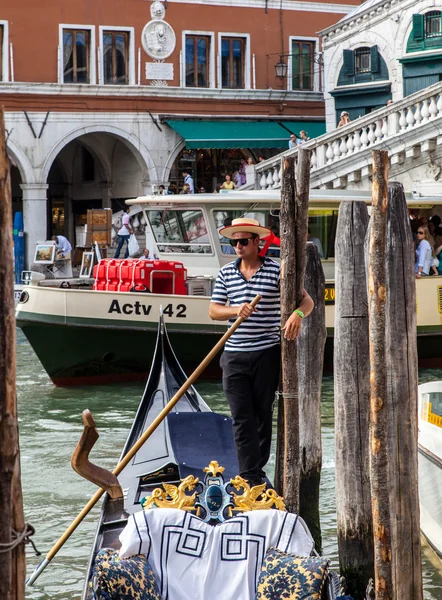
(174,153)
(21,160)
(139,151)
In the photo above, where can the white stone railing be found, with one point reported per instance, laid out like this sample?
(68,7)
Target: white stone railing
(399,121)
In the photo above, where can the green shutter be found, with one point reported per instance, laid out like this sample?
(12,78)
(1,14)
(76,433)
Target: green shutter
(418,28)
(374,59)
(349,62)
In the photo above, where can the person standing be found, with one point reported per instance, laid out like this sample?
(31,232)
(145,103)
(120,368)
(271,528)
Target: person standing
(293,141)
(242,171)
(250,171)
(64,248)
(424,253)
(345,119)
(303,137)
(252,356)
(189,181)
(124,234)
(228,184)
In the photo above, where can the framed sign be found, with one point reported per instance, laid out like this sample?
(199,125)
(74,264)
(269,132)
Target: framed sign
(159,71)
(87,264)
(45,253)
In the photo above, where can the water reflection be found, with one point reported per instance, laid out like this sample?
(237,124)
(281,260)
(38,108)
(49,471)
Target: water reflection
(50,426)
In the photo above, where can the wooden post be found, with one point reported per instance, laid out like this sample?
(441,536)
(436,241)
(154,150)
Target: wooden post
(378,289)
(11,588)
(311,344)
(352,400)
(293,229)
(402,400)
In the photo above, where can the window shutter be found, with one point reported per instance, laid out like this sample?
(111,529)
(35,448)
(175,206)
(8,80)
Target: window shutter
(349,62)
(374,59)
(418,28)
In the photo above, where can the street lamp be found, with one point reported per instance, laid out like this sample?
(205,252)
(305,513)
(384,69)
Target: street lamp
(281,68)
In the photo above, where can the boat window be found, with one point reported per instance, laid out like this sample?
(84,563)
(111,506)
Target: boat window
(180,231)
(322,226)
(223,218)
(435,399)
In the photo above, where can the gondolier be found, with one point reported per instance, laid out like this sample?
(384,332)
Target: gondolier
(252,356)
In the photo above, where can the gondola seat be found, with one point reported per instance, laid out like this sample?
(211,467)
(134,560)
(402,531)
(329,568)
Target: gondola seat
(114,578)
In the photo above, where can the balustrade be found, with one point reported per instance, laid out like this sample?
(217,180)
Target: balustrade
(361,135)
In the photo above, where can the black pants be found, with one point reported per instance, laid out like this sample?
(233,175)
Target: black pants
(250,380)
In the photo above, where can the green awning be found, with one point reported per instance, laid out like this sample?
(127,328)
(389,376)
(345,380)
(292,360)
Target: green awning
(242,134)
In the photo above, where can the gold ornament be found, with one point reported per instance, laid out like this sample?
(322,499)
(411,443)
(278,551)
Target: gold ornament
(173,496)
(214,468)
(255,498)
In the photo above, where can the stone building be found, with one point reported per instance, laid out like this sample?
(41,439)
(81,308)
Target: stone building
(106,101)
(384,50)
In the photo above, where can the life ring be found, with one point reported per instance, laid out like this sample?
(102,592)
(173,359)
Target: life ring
(140,287)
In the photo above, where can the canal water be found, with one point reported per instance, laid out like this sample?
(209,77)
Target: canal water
(51,425)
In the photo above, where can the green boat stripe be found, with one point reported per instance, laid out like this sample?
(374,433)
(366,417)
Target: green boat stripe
(26,319)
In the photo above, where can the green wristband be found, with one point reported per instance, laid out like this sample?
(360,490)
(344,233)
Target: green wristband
(300,313)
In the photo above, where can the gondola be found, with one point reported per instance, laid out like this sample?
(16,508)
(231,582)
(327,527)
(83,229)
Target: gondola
(183,445)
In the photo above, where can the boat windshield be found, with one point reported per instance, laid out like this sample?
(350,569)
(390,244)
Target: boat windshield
(322,226)
(182,231)
(432,408)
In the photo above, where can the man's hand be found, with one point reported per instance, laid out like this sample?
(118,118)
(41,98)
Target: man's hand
(246,310)
(292,327)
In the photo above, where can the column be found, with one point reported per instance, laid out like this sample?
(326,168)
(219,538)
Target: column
(69,219)
(34,216)
(106,195)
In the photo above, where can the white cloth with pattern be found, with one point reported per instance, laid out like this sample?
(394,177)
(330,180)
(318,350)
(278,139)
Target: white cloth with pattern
(192,560)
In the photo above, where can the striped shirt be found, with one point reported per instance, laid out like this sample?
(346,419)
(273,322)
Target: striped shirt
(262,329)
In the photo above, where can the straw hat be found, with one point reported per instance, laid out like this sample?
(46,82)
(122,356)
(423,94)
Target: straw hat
(245,224)
(343,113)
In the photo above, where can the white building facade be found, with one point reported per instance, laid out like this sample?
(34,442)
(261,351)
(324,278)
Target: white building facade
(384,50)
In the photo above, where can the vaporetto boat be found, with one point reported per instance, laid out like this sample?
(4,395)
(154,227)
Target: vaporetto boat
(430,462)
(86,336)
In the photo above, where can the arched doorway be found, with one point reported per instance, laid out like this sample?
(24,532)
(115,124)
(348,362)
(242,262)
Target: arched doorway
(94,170)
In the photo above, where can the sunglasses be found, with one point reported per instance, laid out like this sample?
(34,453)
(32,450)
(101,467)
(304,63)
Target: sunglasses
(420,233)
(242,241)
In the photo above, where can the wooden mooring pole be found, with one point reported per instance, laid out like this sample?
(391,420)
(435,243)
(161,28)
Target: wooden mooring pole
(12,562)
(377,301)
(311,343)
(402,382)
(352,400)
(393,379)
(293,230)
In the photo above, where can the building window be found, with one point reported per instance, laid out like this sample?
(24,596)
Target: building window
(303,54)
(76,56)
(426,33)
(197,61)
(116,57)
(433,24)
(362,60)
(233,62)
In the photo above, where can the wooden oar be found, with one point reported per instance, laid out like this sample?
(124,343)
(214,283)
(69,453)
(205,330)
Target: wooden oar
(166,410)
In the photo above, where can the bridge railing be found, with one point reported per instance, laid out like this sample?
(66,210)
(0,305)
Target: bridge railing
(397,118)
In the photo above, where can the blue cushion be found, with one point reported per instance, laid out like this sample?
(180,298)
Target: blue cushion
(286,576)
(123,579)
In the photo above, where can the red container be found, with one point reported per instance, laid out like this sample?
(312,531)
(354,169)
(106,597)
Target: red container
(167,277)
(123,275)
(100,275)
